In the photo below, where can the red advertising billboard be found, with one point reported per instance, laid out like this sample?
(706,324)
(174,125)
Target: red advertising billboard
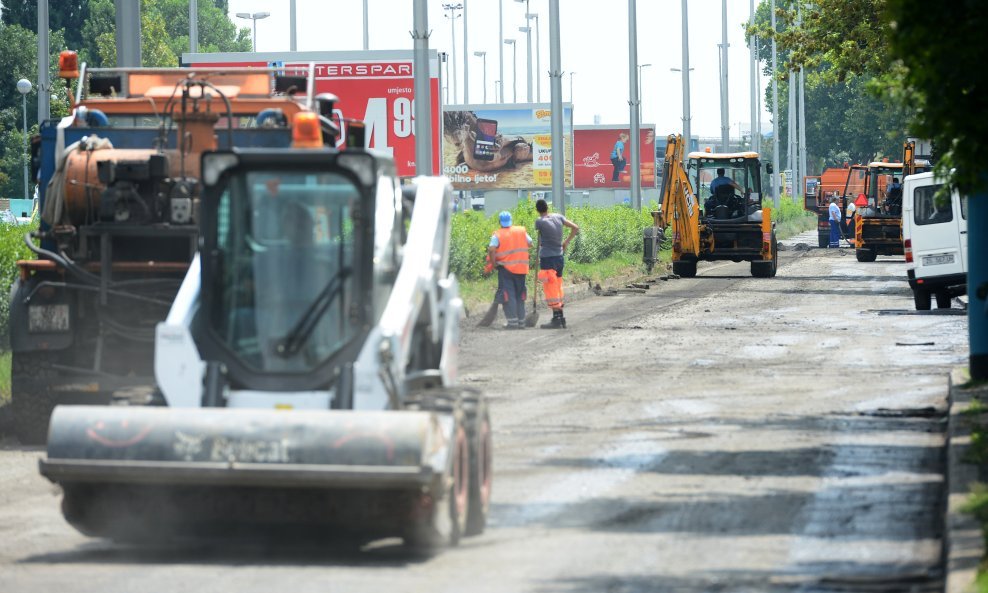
(376,87)
(597,152)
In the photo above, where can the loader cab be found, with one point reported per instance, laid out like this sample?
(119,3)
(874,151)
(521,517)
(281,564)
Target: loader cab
(742,168)
(883,193)
(287,261)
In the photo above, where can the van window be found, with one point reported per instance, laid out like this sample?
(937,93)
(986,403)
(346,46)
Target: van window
(964,207)
(926,208)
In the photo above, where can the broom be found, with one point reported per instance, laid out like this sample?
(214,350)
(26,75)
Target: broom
(491,314)
(532,318)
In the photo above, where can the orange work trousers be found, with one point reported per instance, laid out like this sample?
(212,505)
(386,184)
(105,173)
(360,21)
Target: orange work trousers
(552,288)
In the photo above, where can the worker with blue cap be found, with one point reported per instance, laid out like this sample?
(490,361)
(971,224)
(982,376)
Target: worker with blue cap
(508,250)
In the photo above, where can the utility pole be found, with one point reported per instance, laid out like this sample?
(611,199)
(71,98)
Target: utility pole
(686,81)
(528,34)
(466,57)
(500,47)
(44,65)
(423,102)
(452,15)
(483,55)
(127,15)
(556,96)
(725,126)
(194,26)
(753,83)
(293,26)
(366,26)
(635,105)
(538,56)
(571,86)
(802,115)
(775,115)
(792,165)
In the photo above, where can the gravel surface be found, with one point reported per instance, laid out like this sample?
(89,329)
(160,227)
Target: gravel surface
(721,433)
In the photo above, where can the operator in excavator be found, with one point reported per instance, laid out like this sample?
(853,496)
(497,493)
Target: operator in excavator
(893,197)
(722,180)
(508,250)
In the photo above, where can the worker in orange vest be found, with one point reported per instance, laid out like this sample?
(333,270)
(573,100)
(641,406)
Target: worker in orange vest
(552,248)
(508,250)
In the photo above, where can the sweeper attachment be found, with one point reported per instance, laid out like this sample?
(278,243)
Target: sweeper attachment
(306,370)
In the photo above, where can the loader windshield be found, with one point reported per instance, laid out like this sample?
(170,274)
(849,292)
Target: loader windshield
(741,170)
(284,290)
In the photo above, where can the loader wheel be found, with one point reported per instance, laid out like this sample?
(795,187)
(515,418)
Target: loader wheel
(481,466)
(445,523)
(823,240)
(866,255)
(921,298)
(31,400)
(943,299)
(684,268)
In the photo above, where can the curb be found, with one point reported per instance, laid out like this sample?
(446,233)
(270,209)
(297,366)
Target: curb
(963,544)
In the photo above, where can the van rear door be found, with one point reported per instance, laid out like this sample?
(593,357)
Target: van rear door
(936,238)
(960,202)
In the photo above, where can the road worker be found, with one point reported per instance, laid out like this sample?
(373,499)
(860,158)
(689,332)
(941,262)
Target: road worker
(552,249)
(835,220)
(508,249)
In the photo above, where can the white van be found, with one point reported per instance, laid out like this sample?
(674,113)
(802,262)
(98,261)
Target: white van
(934,236)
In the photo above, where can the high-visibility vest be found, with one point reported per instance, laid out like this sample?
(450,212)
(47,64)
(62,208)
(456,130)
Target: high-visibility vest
(512,249)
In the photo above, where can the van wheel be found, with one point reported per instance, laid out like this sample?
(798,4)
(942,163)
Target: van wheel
(943,299)
(922,299)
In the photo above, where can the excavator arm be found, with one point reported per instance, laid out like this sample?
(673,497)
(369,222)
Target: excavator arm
(908,158)
(680,209)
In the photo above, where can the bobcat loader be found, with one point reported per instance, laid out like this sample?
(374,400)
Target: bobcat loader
(307,367)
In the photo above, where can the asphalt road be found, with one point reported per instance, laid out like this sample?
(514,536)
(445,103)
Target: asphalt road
(721,433)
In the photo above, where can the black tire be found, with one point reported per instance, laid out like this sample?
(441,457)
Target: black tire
(481,465)
(684,268)
(943,299)
(446,523)
(31,400)
(921,298)
(865,255)
(775,256)
(823,240)
(762,269)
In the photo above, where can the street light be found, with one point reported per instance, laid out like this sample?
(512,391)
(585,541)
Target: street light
(24,87)
(571,86)
(483,55)
(686,106)
(498,87)
(538,56)
(528,31)
(452,15)
(640,66)
(514,69)
(254,17)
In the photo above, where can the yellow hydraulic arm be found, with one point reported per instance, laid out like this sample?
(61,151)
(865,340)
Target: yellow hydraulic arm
(679,207)
(908,158)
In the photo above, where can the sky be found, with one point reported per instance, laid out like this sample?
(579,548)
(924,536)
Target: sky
(594,47)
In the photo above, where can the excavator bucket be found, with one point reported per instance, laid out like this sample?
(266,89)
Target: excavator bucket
(142,473)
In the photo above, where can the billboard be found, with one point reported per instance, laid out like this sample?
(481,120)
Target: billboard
(376,87)
(503,146)
(594,162)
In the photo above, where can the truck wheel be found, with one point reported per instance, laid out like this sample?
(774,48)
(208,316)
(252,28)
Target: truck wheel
(481,466)
(943,299)
(775,255)
(823,240)
(865,255)
(921,298)
(31,400)
(684,268)
(762,269)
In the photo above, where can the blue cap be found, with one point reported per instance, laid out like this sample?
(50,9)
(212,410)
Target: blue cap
(505,218)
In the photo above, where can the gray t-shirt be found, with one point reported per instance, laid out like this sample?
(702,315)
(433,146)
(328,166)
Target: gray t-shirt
(550,227)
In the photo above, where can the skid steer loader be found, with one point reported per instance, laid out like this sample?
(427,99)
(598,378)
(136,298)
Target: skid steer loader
(307,367)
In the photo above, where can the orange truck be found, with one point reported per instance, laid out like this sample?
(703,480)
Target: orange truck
(818,189)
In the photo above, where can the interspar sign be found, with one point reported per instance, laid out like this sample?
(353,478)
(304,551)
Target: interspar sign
(503,146)
(376,87)
(595,157)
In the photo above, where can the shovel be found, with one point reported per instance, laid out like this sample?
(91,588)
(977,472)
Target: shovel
(532,318)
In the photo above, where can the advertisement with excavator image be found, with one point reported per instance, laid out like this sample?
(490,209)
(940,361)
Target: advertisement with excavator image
(503,147)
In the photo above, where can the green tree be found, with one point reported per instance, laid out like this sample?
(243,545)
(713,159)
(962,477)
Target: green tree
(216,32)
(62,15)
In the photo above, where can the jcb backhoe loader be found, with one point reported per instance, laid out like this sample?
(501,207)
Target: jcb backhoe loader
(729,224)
(307,367)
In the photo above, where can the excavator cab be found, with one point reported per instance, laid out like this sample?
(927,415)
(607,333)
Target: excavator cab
(726,202)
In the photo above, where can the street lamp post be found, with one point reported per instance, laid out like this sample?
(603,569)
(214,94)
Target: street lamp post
(24,87)
(452,15)
(254,17)
(483,55)
(538,56)
(685,70)
(571,86)
(528,32)
(514,69)
(640,66)
(498,87)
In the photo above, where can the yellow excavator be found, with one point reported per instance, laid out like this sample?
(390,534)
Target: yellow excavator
(878,221)
(723,223)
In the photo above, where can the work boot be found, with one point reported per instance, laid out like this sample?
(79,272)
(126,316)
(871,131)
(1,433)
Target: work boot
(557,321)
